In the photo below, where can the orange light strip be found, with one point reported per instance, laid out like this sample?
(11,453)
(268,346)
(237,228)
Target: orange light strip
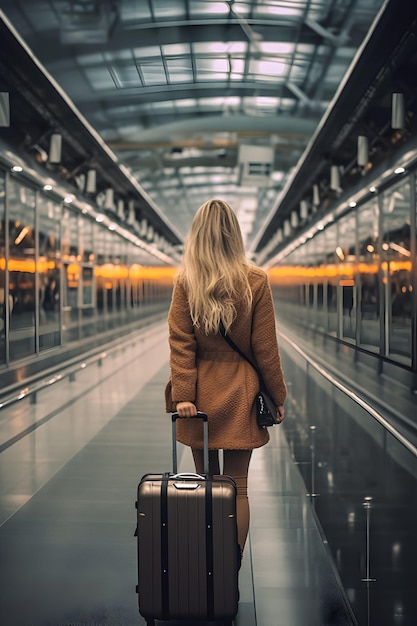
(297,274)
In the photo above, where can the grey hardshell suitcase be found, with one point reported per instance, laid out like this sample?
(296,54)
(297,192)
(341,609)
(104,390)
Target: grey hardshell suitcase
(187,544)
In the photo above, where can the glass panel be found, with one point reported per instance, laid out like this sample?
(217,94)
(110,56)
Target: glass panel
(330,244)
(86,243)
(70,258)
(346,253)
(87,277)
(109,279)
(180,69)
(49,265)
(153,72)
(355,458)
(21,204)
(397,271)
(3,300)
(101,300)
(368,283)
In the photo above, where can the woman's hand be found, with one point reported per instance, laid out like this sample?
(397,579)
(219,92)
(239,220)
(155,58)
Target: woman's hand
(280,413)
(186,409)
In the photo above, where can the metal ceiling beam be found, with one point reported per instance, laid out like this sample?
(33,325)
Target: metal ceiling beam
(388,38)
(52,52)
(30,82)
(283,125)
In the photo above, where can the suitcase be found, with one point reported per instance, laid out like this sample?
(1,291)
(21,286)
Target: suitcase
(187,544)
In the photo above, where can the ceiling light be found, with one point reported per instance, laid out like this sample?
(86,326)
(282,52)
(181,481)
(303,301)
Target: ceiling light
(55,148)
(372,189)
(363,151)
(47,187)
(352,204)
(335,178)
(68,199)
(401,249)
(91,185)
(100,218)
(21,235)
(303,209)
(316,195)
(340,253)
(398,111)
(17,168)
(399,170)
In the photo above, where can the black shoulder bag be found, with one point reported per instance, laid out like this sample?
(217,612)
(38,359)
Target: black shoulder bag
(266,411)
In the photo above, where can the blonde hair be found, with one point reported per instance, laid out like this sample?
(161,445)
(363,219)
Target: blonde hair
(215,268)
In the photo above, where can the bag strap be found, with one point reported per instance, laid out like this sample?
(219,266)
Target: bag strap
(242,354)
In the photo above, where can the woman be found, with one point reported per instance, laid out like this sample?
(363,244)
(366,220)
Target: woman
(216,283)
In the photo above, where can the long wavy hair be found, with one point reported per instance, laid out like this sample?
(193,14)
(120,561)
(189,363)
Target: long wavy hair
(215,268)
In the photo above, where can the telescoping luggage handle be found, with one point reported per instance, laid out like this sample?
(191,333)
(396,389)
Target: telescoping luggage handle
(199,415)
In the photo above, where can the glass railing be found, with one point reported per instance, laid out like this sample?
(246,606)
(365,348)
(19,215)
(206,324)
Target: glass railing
(361,478)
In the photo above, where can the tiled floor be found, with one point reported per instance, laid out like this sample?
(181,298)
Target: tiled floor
(67,492)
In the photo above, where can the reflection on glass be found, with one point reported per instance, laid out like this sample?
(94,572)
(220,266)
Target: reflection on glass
(397,271)
(101,301)
(21,225)
(358,459)
(368,291)
(346,255)
(330,244)
(3,287)
(49,262)
(87,285)
(71,265)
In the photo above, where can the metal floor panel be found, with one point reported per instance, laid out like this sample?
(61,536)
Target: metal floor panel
(67,551)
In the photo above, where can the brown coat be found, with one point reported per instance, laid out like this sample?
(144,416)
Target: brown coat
(205,370)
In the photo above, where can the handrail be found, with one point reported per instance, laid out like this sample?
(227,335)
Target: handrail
(353,396)
(61,372)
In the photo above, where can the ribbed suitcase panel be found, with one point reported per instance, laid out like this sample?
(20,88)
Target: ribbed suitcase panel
(187,549)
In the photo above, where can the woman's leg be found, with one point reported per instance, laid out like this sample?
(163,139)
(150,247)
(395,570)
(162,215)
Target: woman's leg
(214,466)
(236,465)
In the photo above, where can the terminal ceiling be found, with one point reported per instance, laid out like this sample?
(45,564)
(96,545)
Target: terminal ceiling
(179,88)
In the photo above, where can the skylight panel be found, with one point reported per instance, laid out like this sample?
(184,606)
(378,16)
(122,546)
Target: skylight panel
(167,8)
(153,73)
(100,78)
(280,9)
(147,52)
(275,47)
(212,69)
(232,101)
(164,105)
(237,67)
(90,59)
(199,7)
(186,103)
(137,11)
(211,103)
(179,70)
(265,102)
(127,76)
(266,69)
(176,49)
